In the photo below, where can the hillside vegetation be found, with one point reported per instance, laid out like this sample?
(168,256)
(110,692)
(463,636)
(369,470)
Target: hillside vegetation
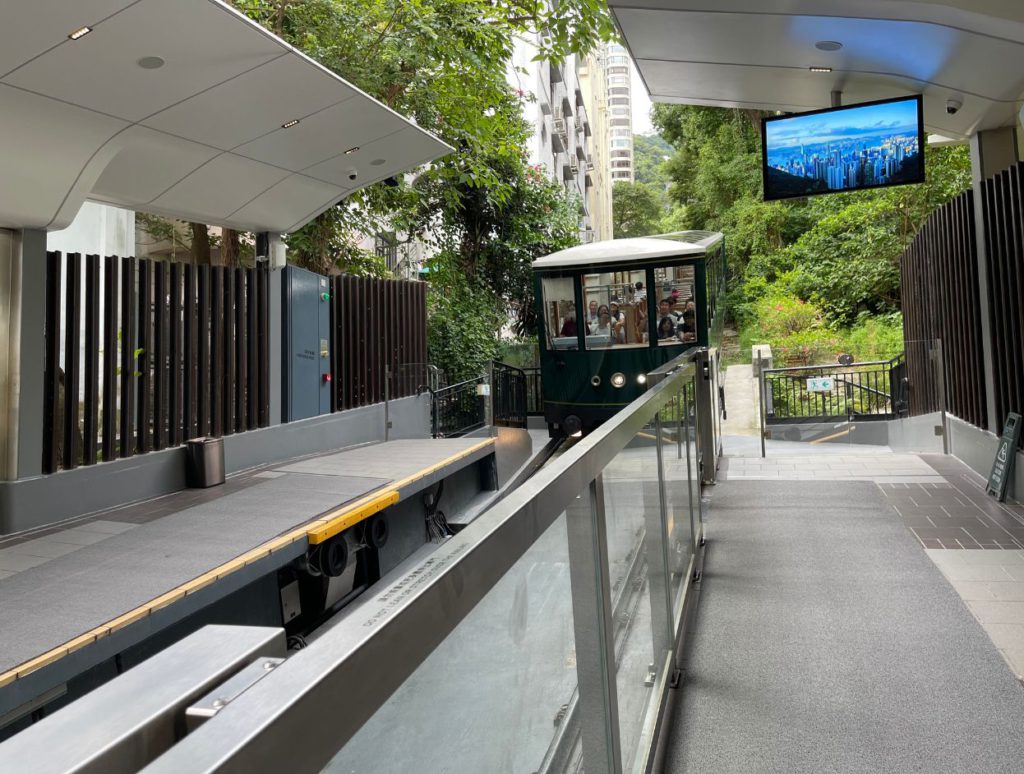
(812,277)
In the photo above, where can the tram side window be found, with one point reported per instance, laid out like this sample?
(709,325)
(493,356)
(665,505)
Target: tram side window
(616,313)
(560,319)
(676,305)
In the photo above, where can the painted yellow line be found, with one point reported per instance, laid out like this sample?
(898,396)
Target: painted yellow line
(316,531)
(830,437)
(352,516)
(39,662)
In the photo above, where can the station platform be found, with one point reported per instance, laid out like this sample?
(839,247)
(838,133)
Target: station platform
(856,613)
(77,595)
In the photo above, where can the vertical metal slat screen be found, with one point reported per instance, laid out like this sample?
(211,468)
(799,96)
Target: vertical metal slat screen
(139,357)
(377,323)
(940,302)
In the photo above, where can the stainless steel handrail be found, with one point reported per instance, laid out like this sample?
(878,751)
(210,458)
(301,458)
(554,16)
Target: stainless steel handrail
(324,694)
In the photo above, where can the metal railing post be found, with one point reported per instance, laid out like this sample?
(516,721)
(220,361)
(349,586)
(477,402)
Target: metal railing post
(594,629)
(489,398)
(656,548)
(940,376)
(760,401)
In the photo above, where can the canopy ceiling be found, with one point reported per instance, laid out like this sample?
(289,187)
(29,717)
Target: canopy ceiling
(758,54)
(198,137)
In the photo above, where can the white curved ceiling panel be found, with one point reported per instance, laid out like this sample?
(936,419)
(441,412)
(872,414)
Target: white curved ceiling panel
(220,187)
(43,159)
(83,119)
(322,136)
(141,170)
(759,54)
(198,56)
(404,150)
(253,104)
(31,28)
(298,191)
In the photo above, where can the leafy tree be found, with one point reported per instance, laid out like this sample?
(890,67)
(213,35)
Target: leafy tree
(484,213)
(637,210)
(650,152)
(839,253)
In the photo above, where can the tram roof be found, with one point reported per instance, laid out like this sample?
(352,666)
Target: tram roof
(678,243)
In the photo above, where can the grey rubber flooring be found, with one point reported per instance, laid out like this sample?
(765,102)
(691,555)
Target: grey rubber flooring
(45,606)
(827,641)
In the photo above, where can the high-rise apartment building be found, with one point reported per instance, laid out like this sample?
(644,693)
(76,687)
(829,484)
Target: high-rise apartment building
(620,108)
(594,83)
(563,140)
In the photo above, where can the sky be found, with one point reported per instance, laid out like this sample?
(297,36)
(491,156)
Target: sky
(894,118)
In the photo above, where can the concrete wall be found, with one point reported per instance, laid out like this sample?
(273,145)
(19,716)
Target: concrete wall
(976,448)
(97,229)
(43,500)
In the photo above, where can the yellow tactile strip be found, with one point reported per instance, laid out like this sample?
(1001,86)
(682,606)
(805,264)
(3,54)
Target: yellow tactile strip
(315,531)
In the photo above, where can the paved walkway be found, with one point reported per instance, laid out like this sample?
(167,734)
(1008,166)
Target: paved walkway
(865,575)
(741,402)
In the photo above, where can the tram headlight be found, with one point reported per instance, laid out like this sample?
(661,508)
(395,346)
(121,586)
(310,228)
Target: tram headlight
(641,379)
(618,379)
(595,380)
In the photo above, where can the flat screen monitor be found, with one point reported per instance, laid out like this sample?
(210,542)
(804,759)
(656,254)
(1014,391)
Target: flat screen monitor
(870,145)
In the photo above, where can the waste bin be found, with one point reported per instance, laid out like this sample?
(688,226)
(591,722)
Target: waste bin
(204,462)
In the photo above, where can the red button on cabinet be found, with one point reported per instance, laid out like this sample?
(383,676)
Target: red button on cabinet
(327,377)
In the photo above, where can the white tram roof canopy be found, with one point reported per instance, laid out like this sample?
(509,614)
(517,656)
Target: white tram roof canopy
(759,54)
(676,244)
(180,109)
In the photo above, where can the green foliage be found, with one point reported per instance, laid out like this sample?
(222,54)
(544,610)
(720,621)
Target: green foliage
(463,320)
(485,213)
(799,333)
(650,152)
(443,63)
(838,254)
(637,209)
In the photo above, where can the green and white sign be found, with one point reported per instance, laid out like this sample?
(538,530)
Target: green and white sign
(1006,454)
(820,384)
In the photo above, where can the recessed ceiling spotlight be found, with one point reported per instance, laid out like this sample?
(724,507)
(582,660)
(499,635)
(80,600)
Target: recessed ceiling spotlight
(289,124)
(350,151)
(81,32)
(828,45)
(820,69)
(151,62)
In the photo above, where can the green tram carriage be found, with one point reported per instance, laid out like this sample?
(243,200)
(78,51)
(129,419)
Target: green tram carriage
(611,312)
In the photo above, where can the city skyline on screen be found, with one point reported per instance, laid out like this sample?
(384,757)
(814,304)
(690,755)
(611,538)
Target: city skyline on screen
(858,147)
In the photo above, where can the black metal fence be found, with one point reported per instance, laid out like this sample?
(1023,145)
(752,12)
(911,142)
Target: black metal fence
(1002,198)
(142,355)
(534,392)
(458,409)
(508,387)
(861,391)
(939,286)
(380,340)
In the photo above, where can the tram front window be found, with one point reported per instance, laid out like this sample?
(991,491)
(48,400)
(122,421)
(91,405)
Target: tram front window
(616,313)
(676,307)
(560,319)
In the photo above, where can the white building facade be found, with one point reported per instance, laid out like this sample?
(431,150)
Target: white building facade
(556,104)
(620,107)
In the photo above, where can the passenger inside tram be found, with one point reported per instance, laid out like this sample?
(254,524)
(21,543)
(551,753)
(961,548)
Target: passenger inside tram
(674,292)
(615,293)
(666,329)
